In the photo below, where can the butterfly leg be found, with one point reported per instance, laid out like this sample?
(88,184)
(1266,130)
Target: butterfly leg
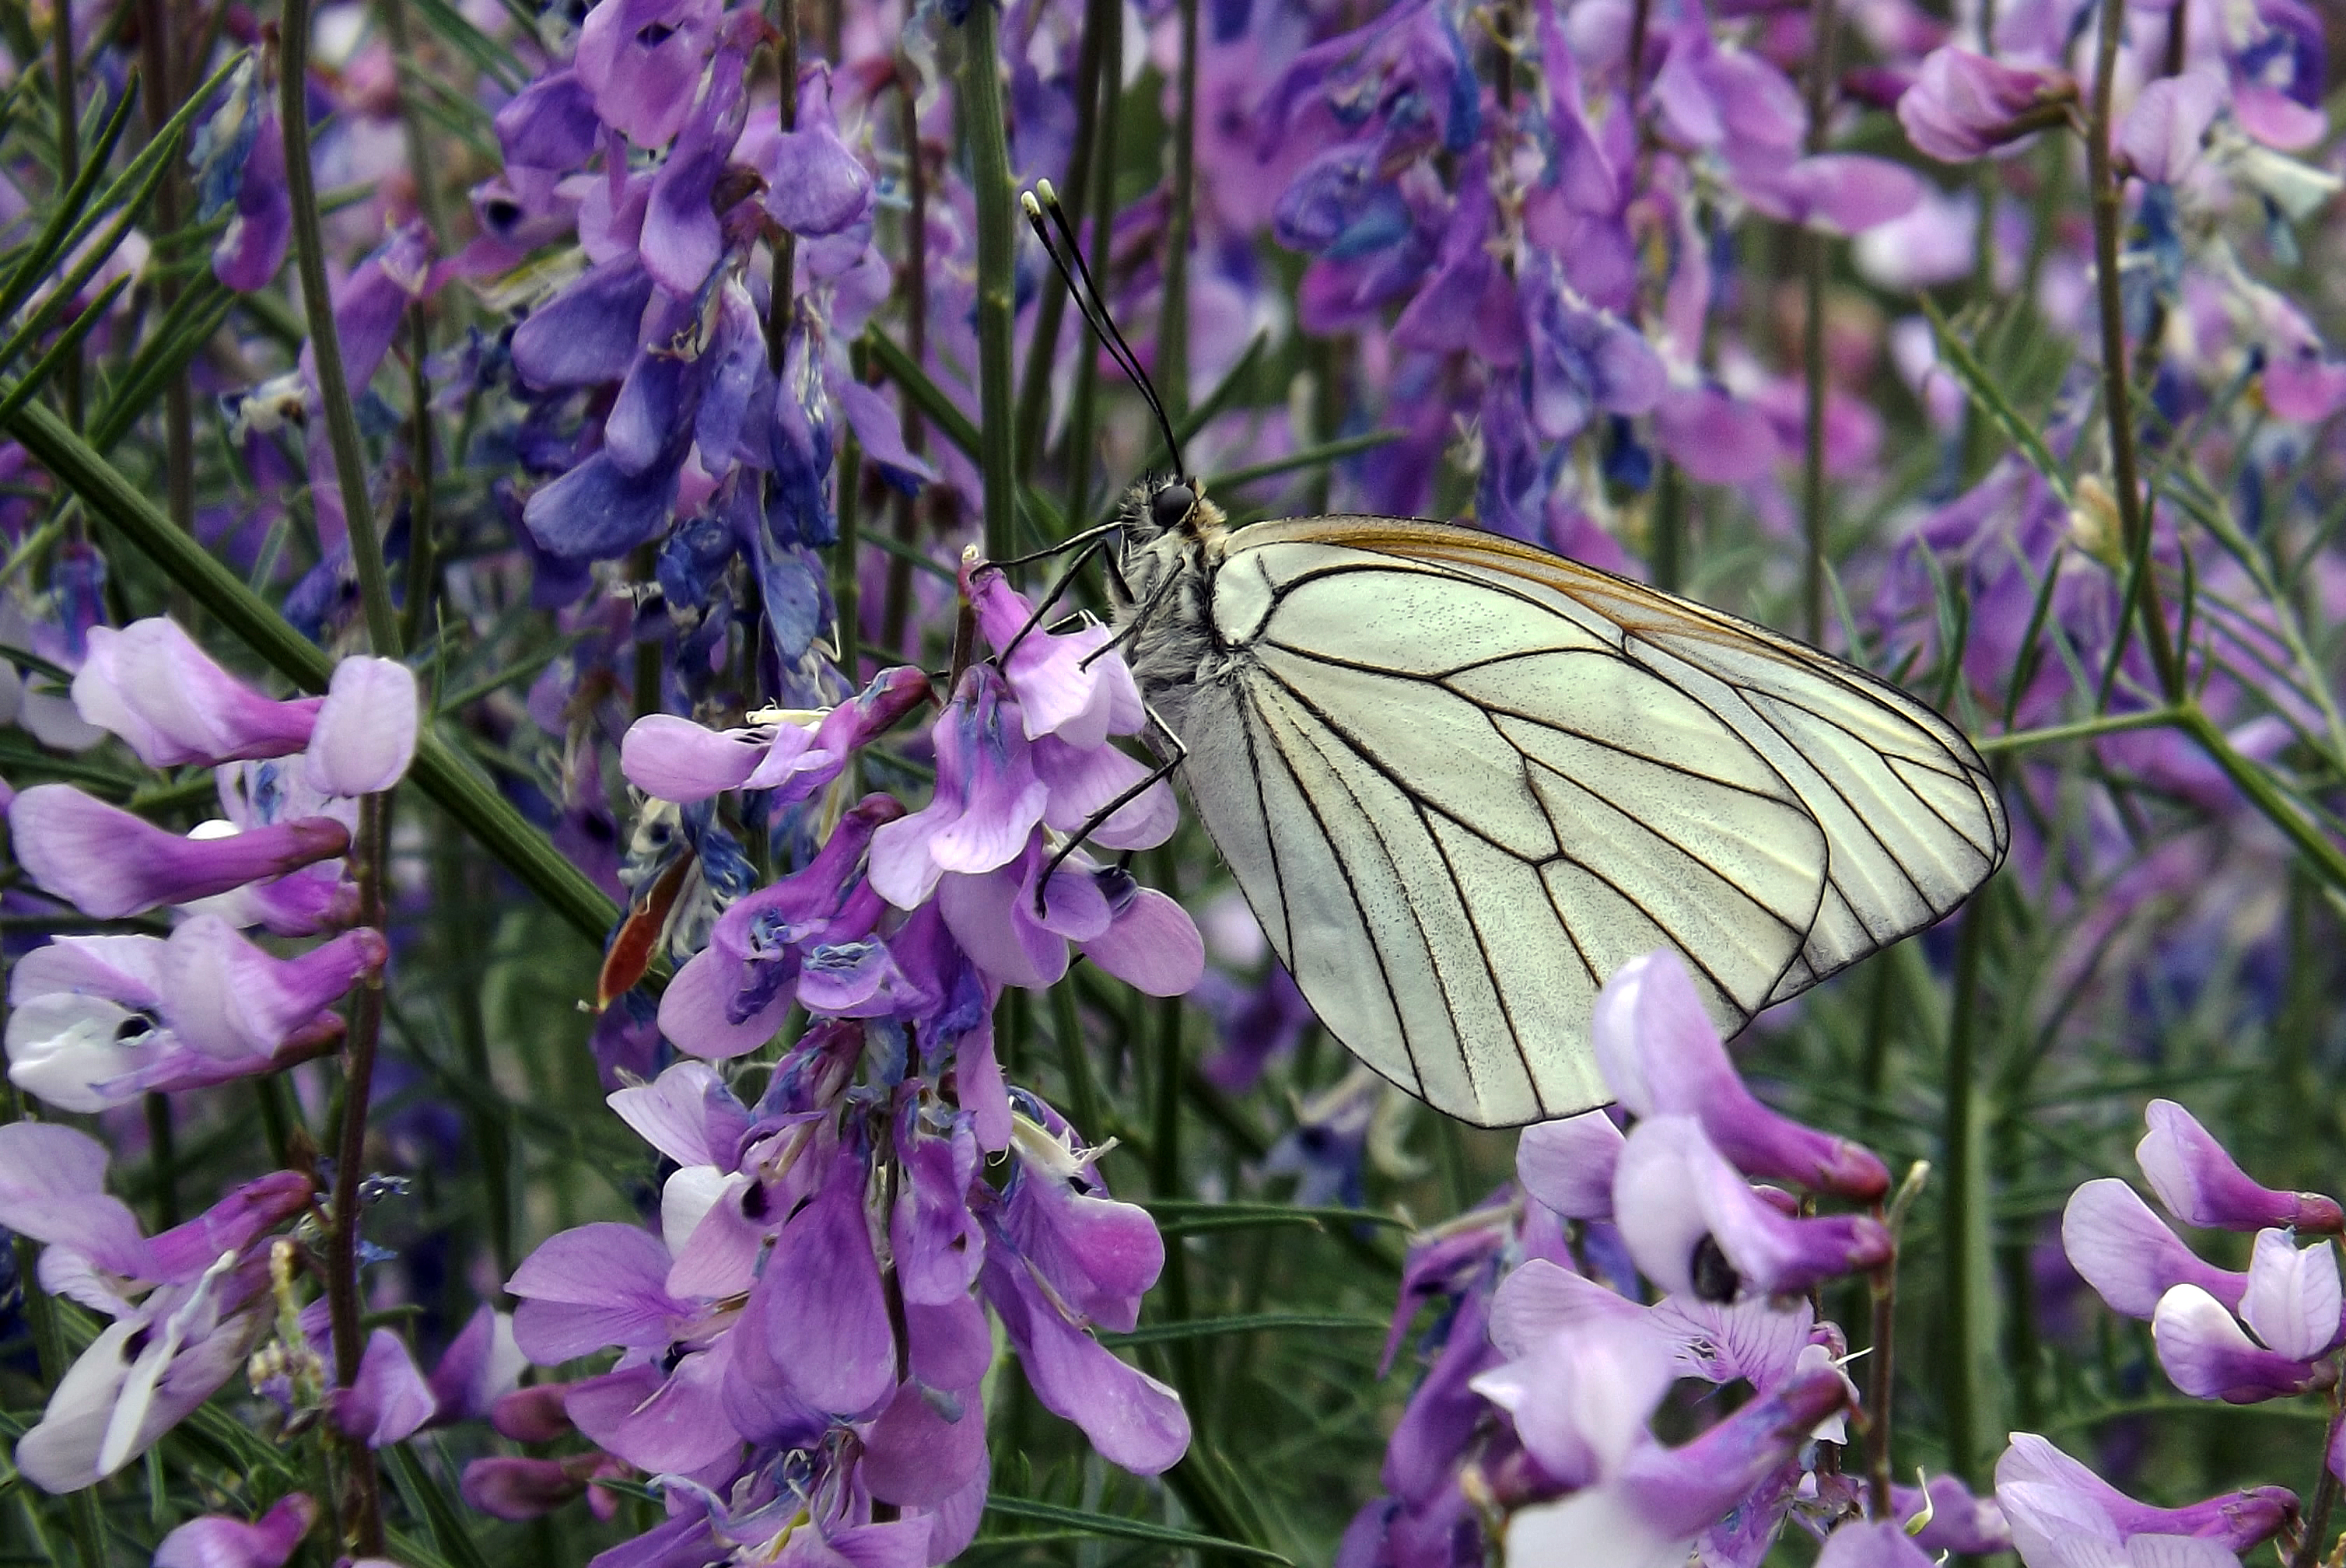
(1058,591)
(1132,628)
(1097,820)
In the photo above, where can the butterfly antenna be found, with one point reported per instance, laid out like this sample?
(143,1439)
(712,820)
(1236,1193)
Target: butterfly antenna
(1068,256)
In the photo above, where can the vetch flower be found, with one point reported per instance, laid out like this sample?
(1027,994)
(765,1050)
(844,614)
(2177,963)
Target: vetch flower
(2195,1178)
(794,754)
(2292,1301)
(151,684)
(1964,105)
(108,864)
(97,1021)
(1661,1055)
(221,1541)
(2129,1257)
(2061,1514)
(1696,1228)
(202,1299)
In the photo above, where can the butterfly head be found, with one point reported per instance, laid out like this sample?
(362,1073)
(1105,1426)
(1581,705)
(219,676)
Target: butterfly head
(1168,504)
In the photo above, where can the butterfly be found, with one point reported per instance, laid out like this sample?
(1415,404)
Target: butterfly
(1460,780)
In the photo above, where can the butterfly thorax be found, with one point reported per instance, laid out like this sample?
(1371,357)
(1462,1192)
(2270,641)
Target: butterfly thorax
(1173,542)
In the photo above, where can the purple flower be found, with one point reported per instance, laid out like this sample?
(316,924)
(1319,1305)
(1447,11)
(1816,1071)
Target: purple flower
(641,60)
(165,1353)
(1872,1544)
(730,997)
(1584,360)
(795,754)
(814,185)
(151,684)
(2198,1180)
(97,1021)
(108,863)
(478,1370)
(389,1401)
(1964,105)
(221,1541)
(1959,1521)
(2168,126)
(1569,1164)
(366,728)
(1696,1228)
(1658,1500)
(2292,1300)
(519,1489)
(2063,1513)
(2129,1257)
(1662,1055)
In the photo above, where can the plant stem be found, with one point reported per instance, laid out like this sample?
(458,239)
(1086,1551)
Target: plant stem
(364,1506)
(845,587)
(1082,417)
(897,608)
(178,410)
(1042,348)
(781,290)
(61,36)
(2325,1494)
(988,137)
(325,342)
(422,547)
(1880,1384)
(163,1160)
(1173,321)
(1963,1219)
(1812,344)
(2108,197)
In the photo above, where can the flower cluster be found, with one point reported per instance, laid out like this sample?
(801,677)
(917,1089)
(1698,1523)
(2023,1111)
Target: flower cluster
(1548,1366)
(802,1340)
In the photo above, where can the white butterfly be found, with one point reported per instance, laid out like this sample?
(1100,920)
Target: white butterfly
(1460,780)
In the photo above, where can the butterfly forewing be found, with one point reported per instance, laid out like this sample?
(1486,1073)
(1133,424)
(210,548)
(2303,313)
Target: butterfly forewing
(1461,781)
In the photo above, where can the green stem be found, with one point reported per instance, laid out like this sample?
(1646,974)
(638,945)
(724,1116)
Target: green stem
(2325,1496)
(1082,418)
(422,547)
(68,170)
(988,135)
(325,342)
(846,586)
(1812,336)
(1042,348)
(364,1507)
(896,610)
(2083,729)
(178,408)
(1964,1218)
(2117,398)
(452,783)
(2252,781)
(1173,321)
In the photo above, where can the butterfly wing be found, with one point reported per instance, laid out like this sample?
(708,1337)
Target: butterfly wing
(1461,781)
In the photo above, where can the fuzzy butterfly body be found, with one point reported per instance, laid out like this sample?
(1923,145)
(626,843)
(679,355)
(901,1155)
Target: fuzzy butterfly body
(1460,780)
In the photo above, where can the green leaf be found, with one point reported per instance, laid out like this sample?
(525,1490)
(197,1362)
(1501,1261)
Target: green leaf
(1991,400)
(1122,1529)
(425,1494)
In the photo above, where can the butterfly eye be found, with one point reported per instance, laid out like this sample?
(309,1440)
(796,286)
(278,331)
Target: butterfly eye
(1170,506)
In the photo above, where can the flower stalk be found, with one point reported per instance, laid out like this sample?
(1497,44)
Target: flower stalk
(988,134)
(325,342)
